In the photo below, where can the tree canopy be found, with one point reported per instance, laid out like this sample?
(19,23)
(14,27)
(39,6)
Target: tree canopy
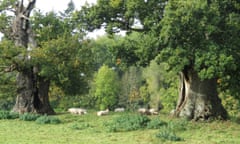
(199,40)
(117,15)
(203,36)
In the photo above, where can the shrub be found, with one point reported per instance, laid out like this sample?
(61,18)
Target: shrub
(6,104)
(29,117)
(230,103)
(48,120)
(156,123)
(8,115)
(167,134)
(128,123)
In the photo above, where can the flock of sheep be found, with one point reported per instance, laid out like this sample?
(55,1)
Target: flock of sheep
(81,111)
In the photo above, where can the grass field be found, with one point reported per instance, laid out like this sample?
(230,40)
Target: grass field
(91,129)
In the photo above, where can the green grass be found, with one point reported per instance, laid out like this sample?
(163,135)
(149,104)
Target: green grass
(91,129)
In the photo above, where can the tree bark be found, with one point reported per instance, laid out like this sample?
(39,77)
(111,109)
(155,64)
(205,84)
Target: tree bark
(198,99)
(32,90)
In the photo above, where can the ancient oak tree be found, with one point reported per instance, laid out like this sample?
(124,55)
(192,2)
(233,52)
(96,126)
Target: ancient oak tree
(32,89)
(200,40)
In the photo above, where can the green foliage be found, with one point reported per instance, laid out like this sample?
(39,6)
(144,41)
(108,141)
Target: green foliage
(59,60)
(118,14)
(128,122)
(48,120)
(131,82)
(138,49)
(230,103)
(6,6)
(29,116)
(63,56)
(104,51)
(131,122)
(7,91)
(8,115)
(144,94)
(106,85)
(202,36)
(168,132)
(156,123)
(161,85)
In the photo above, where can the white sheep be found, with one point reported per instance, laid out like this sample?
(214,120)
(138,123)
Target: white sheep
(153,111)
(79,111)
(119,110)
(101,113)
(143,111)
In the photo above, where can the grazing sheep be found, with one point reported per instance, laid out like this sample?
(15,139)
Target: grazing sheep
(102,113)
(143,111)
(79,111)
(119,110)
(172,112)
(153,111)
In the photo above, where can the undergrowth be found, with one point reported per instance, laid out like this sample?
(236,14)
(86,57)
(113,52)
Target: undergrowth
(8,115)
(128,122)
(48,120)
(168,132)
(28,117)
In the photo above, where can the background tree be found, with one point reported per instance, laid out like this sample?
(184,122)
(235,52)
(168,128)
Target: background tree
(161,85)
(63,55)
(200,39)
(131,82)
(106,88)
(130,16)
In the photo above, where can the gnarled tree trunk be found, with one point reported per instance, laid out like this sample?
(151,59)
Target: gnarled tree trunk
(32,90)
(198,99)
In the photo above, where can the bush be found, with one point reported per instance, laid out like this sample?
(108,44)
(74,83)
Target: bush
(8,115)
(47,120)
(167,134)
(6,104)
(156,123)
(128,123)
(29,117)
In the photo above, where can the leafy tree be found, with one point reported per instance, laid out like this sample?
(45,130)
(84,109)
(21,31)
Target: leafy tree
(103,51)
(115,15)
(64,57)
(106,85)
(48,50)
(32,91)
(161,85)
(131,82)
(201,43)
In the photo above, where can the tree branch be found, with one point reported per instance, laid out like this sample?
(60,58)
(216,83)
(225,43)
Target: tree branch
(29,8)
